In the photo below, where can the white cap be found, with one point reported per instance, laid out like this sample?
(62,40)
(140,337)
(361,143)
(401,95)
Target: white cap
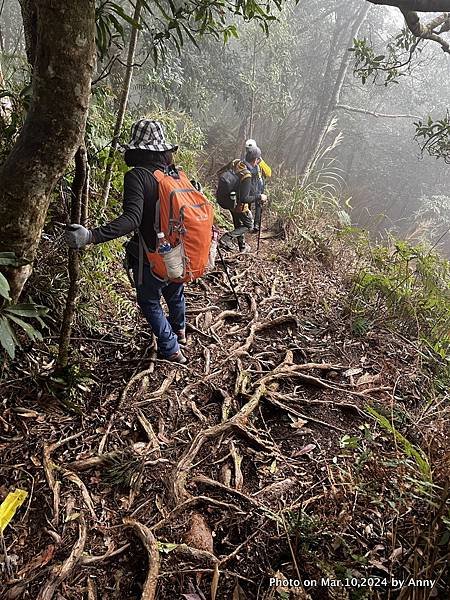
(160,235)
(250,144)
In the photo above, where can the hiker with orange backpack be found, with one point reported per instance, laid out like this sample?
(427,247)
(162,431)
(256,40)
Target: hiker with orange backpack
(172,224)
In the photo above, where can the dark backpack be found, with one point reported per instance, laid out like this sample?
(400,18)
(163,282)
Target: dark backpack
(228,182)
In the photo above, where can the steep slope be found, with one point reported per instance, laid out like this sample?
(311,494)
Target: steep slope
(288,448)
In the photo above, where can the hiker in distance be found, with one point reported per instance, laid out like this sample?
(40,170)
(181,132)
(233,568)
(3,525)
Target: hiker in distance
(163,253)
(236,191)
(259,175)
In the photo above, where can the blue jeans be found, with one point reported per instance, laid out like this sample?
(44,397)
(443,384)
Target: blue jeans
(149,300)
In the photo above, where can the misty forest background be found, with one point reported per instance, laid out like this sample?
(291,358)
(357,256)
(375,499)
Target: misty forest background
(309,435)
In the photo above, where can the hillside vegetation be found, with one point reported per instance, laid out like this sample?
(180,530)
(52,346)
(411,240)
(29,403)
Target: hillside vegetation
(306,440)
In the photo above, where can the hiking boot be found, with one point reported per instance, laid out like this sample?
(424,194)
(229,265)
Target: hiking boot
(181,336)
(176,357)
(254,230)
(226,242)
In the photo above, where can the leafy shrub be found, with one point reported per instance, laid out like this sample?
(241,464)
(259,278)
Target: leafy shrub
(408,286)
(14,315)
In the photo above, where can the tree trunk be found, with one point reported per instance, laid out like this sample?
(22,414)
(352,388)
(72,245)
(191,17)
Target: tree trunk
(327,115)
(122,105)
(63,54)
(78,211)
(29,19)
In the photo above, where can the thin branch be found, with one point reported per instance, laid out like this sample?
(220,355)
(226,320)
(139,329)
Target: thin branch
(376,114)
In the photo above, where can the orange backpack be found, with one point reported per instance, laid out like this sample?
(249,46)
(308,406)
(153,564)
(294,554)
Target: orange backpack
(186,217)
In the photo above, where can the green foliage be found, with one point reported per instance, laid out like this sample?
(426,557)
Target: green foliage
(68,386)
(110,19)
(408,448)
(172,24)
(407,287)
(309,217)
(122,468)
(319,194)
(99,133)
(13,316)
(106,285)
(434,137)
(395,63)
(308,529)
(411,283)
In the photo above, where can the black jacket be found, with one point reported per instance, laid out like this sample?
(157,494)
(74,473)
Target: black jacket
(140,194)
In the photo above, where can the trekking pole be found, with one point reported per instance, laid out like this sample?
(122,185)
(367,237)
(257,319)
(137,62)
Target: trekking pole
(228,276)
(259,230)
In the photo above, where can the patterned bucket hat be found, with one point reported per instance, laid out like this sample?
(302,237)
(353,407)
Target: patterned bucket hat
(148,135)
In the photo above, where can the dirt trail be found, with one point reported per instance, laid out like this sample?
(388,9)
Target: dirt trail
(211,478)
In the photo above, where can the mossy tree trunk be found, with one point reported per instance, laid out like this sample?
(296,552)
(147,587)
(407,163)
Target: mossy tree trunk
(60,38)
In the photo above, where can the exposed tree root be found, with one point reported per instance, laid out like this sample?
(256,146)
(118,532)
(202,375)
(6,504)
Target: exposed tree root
(238,350)
(84,491)
(243,444)
(239,420)
(61,572)
(91,560)
(148,428)
(190,554)
(192,502)
(202,479)
(49,468)
(151,545)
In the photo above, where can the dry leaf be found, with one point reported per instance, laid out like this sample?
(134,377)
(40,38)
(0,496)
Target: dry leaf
(237,459)
(208,319)
(39,561)
(378,565)
(366,379)
(352,371)
(305,450)
(396,553)
(225,475)
(298,424)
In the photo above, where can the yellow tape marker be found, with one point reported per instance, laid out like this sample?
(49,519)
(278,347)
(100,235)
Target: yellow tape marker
(9,506)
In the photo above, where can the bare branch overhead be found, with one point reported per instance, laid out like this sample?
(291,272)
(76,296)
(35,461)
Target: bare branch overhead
(416,5)
(410,8)
(427,31)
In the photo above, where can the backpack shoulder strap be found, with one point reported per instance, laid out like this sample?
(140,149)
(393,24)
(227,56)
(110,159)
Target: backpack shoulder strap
(241,169)
(158,175)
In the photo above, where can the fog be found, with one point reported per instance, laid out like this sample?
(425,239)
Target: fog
(288,91)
